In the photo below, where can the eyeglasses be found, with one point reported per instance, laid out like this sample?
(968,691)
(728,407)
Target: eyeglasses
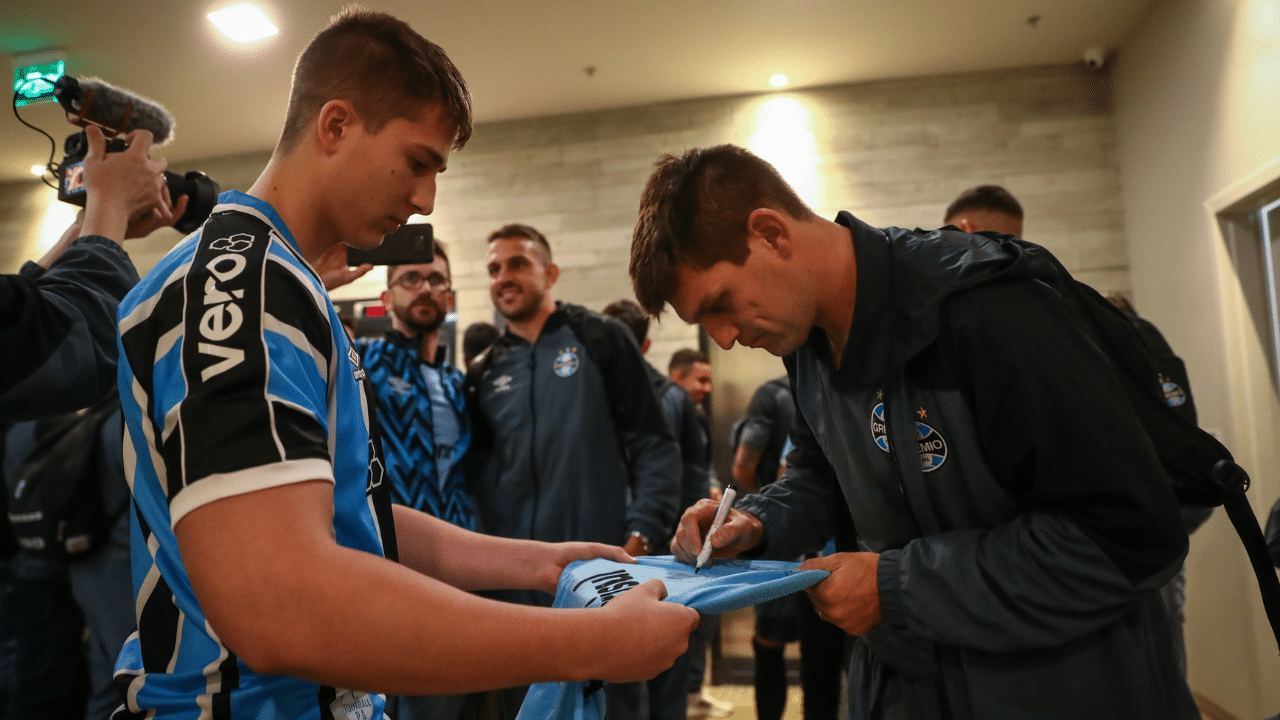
(413,280)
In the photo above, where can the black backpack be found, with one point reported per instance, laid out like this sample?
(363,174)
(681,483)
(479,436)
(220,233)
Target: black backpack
(55,495)
(1199,467)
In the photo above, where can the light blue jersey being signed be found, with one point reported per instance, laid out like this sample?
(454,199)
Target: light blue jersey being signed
(719,587)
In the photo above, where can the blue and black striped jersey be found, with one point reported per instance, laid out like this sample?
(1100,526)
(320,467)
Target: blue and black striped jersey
(425,428)
(235,376)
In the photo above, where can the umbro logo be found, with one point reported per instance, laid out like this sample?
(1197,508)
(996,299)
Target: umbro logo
(502,383)
(357,372)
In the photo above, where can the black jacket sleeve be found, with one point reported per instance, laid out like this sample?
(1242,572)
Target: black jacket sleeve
(59,326)
(653,457)
(682,417)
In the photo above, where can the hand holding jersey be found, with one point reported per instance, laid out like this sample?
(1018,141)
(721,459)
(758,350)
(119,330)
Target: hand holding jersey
(642,620)
(565,553)
(850,598)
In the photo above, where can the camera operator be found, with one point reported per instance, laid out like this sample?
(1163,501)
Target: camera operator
(59,313)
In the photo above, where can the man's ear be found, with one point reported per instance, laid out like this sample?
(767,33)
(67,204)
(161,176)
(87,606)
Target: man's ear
(965,225)
(385,297)
(449,303)
(644,346)
(553,273)
(772,227)
(334,124)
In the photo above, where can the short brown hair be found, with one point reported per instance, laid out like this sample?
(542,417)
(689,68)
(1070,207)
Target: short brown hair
(991,198)
(528,232)
(694,212)
(377,63)
(628,313)
(685,358)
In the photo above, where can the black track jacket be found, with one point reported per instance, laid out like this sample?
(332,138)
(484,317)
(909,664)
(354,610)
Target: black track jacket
(987,451)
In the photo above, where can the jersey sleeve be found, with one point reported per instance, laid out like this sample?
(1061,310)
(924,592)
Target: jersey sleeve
(239,389)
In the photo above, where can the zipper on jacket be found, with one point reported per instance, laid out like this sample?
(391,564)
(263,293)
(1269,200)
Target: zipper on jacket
(533,438)
(893,451)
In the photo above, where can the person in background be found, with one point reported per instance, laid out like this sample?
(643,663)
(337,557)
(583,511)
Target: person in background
(348,323)
(985,208)
(691,369)
(60,312)
(667,692)
(759,440)
(576,442)
(991,208)
(57,600)
(1177,393)
(422,414)
(476,339)
(273,576)
(59,324)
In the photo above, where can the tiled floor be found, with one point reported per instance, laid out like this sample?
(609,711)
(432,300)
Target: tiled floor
(736,630)
(743,699)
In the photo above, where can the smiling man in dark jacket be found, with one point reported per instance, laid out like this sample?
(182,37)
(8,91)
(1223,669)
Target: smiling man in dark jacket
(1014,522)
(580,449)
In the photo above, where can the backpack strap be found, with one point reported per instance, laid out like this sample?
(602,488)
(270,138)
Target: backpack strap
(1200,468)
(482,436)
(1246,524)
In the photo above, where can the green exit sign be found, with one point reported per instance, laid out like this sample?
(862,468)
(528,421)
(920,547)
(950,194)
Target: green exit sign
(34,76)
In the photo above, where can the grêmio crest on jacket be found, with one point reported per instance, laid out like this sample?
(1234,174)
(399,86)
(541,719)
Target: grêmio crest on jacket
(929,442)
(566,362)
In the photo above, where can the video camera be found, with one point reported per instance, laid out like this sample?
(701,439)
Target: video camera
(92,101)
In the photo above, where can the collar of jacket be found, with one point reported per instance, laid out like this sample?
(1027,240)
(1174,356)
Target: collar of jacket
(904,276)
(557,318)
(412,342)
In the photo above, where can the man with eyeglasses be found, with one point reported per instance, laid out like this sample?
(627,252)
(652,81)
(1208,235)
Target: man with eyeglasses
(425,428)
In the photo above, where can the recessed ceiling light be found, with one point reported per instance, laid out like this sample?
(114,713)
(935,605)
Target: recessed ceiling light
(243,22)
(778,80)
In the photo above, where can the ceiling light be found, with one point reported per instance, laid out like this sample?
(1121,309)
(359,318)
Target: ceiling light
(243,22)
(778,80)
(37,170)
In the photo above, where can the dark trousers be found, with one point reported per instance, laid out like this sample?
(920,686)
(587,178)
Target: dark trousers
(822,659)
(668,692)
(50,679)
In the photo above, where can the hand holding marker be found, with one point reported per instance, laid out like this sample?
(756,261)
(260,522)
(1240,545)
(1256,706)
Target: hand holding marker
(726,502)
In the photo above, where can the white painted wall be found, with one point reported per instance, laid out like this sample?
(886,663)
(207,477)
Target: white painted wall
(1197,94)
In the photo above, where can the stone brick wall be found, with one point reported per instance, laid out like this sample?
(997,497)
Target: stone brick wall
(893,152)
